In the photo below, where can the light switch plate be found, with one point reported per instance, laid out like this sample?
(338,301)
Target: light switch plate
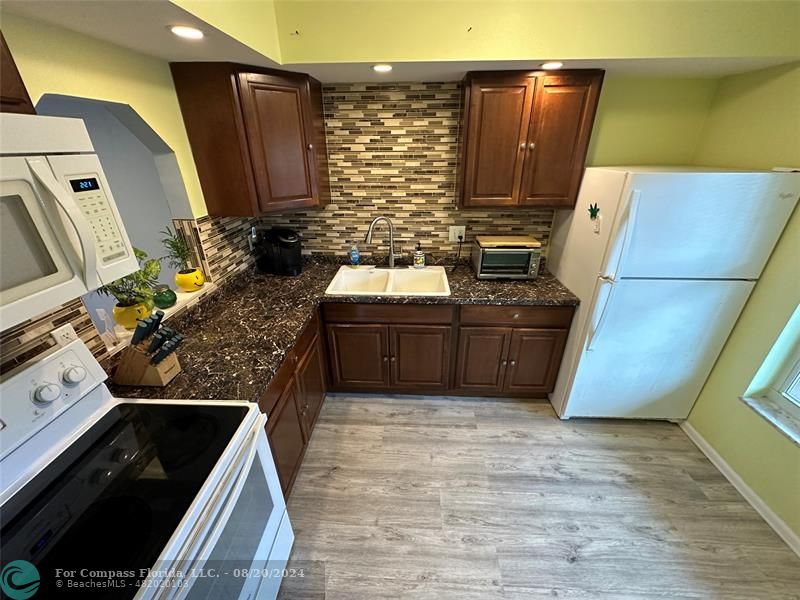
(457,230)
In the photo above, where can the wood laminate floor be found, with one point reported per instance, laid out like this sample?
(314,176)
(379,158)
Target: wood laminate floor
(440,498)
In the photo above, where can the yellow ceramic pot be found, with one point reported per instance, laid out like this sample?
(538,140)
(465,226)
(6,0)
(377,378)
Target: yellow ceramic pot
(128,315)
(189,280)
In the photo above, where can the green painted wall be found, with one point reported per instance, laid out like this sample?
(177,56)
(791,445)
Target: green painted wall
(649,120)
(374,30)
(58,61)
(252,22)
(755,122)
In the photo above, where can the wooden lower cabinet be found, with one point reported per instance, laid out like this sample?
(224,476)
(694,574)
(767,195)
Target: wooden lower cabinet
(359,356)
(481,361)
(287,436)
(534,357)
(293,401)
(419,357)
(397,357)
(311,383)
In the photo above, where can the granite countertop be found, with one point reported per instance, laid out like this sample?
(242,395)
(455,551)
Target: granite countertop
(238,336)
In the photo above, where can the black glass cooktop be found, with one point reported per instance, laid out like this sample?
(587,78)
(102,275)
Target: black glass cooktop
(113,499)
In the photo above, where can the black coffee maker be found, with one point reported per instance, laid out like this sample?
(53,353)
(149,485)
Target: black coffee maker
(279,251)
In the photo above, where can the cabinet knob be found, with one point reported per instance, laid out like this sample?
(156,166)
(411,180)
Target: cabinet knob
(311,146)
(516,315)
(385,359)
(531,146)
(522,146)
(394,359)
(504,362)
(513,363)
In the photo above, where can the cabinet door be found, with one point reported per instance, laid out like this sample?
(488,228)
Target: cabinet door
(359,356)
(311,377)
(420,356)
(286,437)
(533,360)
(558,138)
(278,123)
(481,360)
(13,95)
(498,109)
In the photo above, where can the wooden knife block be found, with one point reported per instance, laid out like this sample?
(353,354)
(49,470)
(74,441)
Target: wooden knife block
(135,368)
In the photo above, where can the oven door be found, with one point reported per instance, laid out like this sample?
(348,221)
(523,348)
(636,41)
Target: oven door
(229,554)
(39,267)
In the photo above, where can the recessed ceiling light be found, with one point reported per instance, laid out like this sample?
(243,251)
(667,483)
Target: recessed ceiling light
(188,33)
(381,68)
(552,65)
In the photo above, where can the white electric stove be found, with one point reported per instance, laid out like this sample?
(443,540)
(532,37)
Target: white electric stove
(117,498)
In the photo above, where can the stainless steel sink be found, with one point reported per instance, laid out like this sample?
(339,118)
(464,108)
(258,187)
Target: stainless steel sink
(371,281)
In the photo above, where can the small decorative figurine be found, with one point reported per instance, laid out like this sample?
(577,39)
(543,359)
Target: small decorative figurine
(594,210)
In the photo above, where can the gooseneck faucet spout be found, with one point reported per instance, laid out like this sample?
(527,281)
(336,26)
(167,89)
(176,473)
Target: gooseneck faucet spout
(368,239)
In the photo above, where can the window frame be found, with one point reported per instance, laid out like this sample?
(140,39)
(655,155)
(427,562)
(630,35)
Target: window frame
(789,381)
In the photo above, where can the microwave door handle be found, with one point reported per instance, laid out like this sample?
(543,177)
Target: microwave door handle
(45,176)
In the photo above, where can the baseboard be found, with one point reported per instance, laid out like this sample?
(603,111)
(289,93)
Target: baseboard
(791,538)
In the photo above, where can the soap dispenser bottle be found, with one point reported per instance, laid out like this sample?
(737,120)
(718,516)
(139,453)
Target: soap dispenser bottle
(419,257)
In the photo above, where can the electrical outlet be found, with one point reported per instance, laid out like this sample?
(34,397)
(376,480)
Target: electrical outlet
(457,230)
(64,334)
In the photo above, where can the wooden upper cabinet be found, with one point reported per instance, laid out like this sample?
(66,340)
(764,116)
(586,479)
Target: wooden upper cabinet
(257,137)
(13,94)
(558,139)
(525,136)
(278,125)
(497,125)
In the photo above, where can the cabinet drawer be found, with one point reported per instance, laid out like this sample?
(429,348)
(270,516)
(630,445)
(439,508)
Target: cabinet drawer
(387,313)
(523,316)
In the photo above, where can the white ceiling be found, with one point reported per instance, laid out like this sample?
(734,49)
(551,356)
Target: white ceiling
(143,26)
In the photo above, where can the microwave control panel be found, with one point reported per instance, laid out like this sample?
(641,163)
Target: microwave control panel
(94,205)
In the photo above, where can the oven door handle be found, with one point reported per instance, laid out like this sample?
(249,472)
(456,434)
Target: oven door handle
(223,514)
(44,175)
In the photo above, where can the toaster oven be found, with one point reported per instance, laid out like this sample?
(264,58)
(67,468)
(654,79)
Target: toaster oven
(506,257)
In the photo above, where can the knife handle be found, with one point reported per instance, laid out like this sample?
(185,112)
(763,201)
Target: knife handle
(155,342)
(157,317)
(139,332)
(162,353)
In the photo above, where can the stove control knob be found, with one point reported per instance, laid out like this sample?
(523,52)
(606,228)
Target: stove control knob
(102,476)
(73,375)
(47,393)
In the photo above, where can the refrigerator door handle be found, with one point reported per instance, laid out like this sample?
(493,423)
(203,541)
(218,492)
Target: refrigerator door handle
(615,261)
(595,330)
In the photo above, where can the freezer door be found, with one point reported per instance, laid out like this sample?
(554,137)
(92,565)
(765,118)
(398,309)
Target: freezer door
(700,225)
(650,346)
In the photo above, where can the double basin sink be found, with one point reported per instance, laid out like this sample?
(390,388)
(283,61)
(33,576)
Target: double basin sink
(372,281)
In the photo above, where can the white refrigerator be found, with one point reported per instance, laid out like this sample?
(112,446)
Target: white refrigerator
(662,270)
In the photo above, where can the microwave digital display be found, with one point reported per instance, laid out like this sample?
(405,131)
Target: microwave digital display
(87,184)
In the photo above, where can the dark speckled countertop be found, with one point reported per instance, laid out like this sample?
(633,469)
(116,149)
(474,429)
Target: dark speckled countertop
(238,336)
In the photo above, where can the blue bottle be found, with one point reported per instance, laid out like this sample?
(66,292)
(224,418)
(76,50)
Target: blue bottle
(355,255)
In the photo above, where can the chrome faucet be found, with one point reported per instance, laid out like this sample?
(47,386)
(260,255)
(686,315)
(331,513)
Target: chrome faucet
(368,239)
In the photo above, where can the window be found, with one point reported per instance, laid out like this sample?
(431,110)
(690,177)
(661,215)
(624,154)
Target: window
(791,385)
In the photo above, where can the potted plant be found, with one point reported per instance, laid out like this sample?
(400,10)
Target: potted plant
(188,278)
(134,292)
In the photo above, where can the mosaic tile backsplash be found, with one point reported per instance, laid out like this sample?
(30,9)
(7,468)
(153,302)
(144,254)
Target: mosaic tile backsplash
(393,150)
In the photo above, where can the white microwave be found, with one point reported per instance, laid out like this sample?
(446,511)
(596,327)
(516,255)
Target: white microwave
(61,234)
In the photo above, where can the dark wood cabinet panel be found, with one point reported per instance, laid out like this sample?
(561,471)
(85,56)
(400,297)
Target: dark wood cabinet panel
(496,126)
(419,314)
(525,136)
(359,356)
(481,359)
(287,437)
(13,94)
(276,115)
(257,137)
(534,357)
(420,356)
(518,316)
(311,379)
(558,139)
